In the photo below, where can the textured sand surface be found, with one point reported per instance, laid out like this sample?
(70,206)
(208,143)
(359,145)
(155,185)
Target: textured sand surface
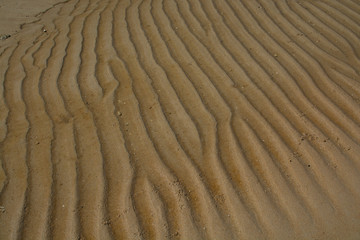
(15,13)
(180,119)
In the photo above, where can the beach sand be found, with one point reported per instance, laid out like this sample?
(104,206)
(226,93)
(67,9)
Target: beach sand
(180,119)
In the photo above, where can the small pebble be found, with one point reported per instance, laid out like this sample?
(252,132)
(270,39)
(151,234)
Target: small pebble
(4,36)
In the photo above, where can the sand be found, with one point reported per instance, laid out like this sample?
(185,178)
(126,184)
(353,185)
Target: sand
(180,119)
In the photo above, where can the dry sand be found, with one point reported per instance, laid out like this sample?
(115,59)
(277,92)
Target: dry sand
(180,119)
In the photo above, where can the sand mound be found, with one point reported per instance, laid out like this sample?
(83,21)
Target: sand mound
(180,119)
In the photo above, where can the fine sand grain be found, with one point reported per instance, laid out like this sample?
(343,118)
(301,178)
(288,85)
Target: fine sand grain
(180,119)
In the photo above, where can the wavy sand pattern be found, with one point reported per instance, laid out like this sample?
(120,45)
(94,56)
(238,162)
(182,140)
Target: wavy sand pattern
(182,119)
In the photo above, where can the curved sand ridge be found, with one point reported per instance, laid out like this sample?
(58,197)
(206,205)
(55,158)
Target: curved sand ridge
(173,119)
